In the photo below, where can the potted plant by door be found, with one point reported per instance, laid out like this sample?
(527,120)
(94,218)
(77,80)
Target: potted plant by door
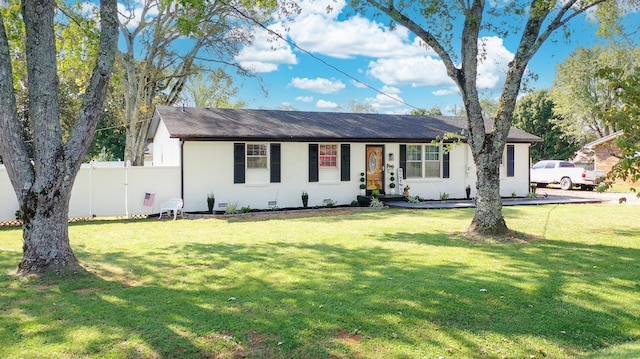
(363,201)
(211,200)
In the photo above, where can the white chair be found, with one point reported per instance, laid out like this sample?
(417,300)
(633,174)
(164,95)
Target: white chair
(175,205)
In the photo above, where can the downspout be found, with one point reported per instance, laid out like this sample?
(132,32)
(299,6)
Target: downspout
(182,169)
(529,172)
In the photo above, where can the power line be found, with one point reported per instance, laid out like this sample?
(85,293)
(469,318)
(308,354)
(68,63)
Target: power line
(335,68)
(292,43)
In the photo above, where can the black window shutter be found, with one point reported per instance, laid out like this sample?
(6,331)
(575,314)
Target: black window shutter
(313,162)
(238,163)
(275,162)
(511,160)
(403,160)
(445,165)
(345,162)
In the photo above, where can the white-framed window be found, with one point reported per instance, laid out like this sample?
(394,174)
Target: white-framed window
(432,161)
(256,155)
(414,161)
(328,156)
(423,161)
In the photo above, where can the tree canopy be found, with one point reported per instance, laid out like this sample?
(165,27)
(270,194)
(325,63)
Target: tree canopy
(360,107)
(76,41)
(626,116)
(583,96)
(535,114)
(166,43)
(216,90)
(434,111)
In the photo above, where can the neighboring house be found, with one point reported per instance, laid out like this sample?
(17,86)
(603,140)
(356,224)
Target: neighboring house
(603,153)
(266,158)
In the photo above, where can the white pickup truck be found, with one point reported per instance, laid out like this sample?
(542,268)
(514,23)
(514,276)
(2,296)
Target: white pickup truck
(566,173)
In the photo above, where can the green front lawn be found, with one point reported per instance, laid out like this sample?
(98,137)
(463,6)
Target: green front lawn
(366,284)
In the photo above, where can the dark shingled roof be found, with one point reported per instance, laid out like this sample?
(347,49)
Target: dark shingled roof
(215,124)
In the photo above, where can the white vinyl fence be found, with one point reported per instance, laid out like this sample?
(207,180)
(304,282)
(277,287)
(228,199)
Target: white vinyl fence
(107,189)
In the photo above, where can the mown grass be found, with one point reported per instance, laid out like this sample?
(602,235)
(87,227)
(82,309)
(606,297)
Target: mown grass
(623,188)
(368,284)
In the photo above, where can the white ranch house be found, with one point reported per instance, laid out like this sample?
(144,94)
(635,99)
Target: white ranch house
(266,158)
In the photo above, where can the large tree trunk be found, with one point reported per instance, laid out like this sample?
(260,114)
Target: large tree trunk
(136,141)
(45,234)
(138,137)
(487,150)
(43,182)
(139,106)
(488,219)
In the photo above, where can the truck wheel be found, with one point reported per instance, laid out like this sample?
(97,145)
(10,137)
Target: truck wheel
(566,183)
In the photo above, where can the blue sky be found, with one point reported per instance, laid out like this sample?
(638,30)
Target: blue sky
(400,74)
(390,61)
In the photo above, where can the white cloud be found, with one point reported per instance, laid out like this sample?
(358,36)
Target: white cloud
(445,92)
(317,30)
(358,84)
(390,90)
(326,104)
(319,84)
(89,9)
(131,13)
(356,36)
(385,101)
(427,71)
(320,31)
(417,71)
(305,98)
(266,52)
(257,66)
(389,98)
(493,63)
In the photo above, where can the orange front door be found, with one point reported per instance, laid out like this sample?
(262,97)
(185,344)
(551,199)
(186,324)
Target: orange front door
(375,161)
